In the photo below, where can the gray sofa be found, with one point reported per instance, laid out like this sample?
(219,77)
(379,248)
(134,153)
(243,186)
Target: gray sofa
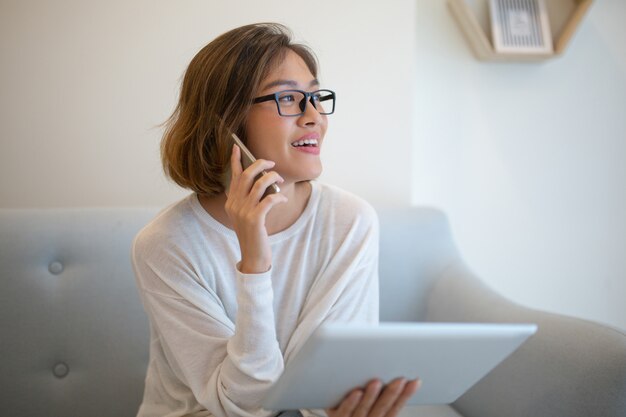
(75,337)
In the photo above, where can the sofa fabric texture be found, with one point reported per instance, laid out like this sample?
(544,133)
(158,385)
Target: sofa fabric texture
(75,336)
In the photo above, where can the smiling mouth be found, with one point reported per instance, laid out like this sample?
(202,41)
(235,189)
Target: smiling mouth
(305,142)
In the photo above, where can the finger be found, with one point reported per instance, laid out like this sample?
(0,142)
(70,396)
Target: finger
(347,405)
(269,202)
(250,202)
(249,175)
(372,391)
(264,182)
(235,162)
(388,397)
(243,182)
(258,166)
(409,389)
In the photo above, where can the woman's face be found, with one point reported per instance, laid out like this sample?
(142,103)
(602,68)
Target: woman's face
(274,137)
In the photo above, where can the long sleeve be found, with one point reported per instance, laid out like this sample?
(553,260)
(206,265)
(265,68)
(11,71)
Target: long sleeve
(220,339)
(346,289)
(227,366)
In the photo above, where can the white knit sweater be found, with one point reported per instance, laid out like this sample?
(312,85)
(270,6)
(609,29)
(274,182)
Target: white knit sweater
(220,338)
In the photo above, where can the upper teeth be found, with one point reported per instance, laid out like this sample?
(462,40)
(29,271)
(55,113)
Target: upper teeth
(305,142)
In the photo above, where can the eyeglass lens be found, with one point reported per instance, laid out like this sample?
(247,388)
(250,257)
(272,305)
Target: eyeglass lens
(292,102)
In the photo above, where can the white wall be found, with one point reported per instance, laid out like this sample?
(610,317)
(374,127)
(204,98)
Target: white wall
(85,84)
(528,161)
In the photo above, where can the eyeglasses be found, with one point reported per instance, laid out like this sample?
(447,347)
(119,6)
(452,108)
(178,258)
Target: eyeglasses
(293,102)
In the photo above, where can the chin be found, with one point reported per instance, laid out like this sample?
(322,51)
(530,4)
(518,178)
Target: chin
(314,174)
(304,175)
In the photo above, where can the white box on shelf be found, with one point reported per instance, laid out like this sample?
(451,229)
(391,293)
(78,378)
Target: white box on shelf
(520,27)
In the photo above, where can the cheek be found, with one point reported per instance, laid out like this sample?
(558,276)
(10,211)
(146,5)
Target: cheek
(256,130)
(324,124)
(264,141)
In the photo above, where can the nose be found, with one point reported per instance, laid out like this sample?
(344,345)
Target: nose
(310,115)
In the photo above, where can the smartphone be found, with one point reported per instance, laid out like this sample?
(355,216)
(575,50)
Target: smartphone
(248,159)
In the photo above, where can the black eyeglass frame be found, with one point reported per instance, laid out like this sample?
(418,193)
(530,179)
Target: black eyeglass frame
(308,97)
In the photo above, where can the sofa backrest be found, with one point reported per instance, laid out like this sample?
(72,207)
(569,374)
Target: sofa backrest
(74,334)
(416,246)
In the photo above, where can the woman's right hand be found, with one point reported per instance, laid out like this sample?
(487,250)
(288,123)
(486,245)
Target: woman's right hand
(376,400)
(247,210)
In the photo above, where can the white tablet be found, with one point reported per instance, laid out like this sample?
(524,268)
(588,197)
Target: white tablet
(448,358)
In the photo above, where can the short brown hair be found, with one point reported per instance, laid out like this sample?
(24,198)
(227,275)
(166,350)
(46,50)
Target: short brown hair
(216,95)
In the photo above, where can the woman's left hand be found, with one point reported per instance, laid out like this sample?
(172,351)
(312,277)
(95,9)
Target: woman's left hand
(376,400)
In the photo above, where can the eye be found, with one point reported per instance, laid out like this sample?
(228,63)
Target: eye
(287,98)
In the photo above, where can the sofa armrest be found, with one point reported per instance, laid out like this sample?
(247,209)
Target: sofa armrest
(569,368)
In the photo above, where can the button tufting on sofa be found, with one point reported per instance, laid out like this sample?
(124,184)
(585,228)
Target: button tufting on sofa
(61,370)
(55,267)
(570,368)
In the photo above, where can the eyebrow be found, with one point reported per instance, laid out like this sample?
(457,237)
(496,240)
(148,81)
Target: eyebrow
(289,83)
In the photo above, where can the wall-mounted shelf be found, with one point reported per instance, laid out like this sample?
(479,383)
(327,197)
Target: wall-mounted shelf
(473,18)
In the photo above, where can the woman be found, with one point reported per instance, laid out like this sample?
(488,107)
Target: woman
(234,281)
